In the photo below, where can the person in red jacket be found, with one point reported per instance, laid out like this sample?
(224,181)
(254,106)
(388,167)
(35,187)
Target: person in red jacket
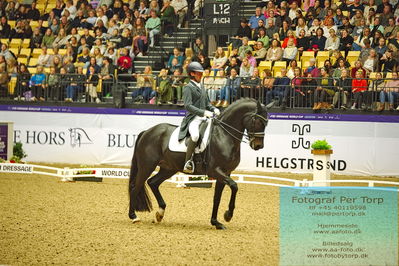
(359,86)
(124,61)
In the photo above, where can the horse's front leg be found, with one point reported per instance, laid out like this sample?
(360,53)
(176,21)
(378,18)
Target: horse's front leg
(234,188)
(216,201)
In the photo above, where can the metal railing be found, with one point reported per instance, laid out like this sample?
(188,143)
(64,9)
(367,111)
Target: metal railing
(300,92)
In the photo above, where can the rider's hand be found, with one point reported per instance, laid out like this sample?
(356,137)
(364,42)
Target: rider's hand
(216,111)
(208,114)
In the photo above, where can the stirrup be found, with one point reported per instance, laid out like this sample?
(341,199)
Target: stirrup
(188,167)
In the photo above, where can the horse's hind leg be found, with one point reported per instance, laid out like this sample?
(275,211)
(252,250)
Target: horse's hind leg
(154,183)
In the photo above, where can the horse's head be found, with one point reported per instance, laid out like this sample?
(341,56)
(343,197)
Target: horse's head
(255,123)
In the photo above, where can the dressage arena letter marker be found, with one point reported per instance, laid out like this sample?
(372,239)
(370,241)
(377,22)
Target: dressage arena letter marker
(338,226)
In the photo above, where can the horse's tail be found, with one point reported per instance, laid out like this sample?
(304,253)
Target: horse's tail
(139,199)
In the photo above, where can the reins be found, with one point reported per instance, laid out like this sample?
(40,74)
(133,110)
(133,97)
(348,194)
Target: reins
(249,135)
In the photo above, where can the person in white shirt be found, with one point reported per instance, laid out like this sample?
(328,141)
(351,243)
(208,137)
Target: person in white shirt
(181,8)
(332,42)
(71,9)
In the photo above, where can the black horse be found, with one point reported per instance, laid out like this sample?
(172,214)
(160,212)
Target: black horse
(221,157)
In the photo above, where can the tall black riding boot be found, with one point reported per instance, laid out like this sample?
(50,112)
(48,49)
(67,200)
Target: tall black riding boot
(189,164)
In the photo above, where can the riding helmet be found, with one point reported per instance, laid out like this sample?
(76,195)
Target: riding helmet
(194,67)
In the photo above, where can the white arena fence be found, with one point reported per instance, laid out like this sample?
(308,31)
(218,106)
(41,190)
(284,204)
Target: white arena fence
(68,174)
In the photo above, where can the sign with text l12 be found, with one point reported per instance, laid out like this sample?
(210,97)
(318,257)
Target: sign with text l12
(338,226)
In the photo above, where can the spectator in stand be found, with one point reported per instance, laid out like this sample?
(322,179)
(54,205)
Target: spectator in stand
(44,58)
(381,48)
(358,67)
(267,84)
(56,62)
(232,64)
(255,32)
(309,86)
(392,87)
(253,21)
(3,82)
(344,86)
(139,37)
(181,8)
(388,63)
(178,55)
(178,82)
(198,45)
(164,88)
(168,18)
(53,85)
(219,83)
(275,53)
(315,25)
(324,88)
(208,80)
(391,29)
(301,26)
(283,31)
(332,42)
(242,51)
(298,89)
(290,51)
(271,29)
(246,69)
(124,62)
(318,42)
(93,63)
(48,39)
(262,37)
(61,40)
(251,59)
(91,86)
(85,56)
(345,41)
(359,86)
(23,78)
(303,42)
(5,28)
(337,73)
(145,83)
(37,83)
(291,68)
(153,27)
(359,42)
(251,86)
(243,31)
(281,88)
(371,62)
(260,52)
(230,91)
(219,60)
(312,68)
(174,66)
(291,36)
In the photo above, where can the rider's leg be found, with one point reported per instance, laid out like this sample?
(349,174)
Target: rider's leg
(193,128)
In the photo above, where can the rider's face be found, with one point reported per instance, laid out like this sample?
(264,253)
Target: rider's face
(197,76)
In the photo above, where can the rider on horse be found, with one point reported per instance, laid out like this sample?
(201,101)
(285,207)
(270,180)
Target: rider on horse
(197,104)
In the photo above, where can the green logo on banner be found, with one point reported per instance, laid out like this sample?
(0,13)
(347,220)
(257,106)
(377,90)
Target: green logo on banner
(338,226)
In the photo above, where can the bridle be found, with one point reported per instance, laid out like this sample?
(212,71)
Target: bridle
(250,135)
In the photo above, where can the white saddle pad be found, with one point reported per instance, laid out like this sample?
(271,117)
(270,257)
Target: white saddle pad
(180,146)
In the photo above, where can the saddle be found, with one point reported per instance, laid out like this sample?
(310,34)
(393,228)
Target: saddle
(181,146)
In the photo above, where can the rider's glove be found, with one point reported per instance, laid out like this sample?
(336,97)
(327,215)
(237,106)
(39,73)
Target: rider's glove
(216,111)
(208,114)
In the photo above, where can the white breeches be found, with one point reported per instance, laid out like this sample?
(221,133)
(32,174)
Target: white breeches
(193,128)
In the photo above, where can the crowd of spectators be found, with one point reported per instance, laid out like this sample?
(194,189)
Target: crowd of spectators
(310,53)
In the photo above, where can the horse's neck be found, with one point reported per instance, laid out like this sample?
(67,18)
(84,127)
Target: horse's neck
(235,120)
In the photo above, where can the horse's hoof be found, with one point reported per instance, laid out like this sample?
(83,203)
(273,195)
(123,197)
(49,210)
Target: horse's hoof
(136,220)
(159,217)
(220,227)
(227,216)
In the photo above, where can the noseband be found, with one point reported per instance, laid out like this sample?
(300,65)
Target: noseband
(250,136)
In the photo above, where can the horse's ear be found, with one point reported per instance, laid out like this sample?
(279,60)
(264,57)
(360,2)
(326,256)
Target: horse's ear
(258,107)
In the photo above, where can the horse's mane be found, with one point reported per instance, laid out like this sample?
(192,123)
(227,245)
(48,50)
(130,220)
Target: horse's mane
(236,104)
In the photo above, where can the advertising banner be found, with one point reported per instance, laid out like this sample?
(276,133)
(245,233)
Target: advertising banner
(363,145)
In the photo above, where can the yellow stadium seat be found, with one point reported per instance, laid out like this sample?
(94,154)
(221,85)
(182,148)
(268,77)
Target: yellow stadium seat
(353,54)
(24,52)
(62,51)
(345,13)
(32,70)
(33,23)
(45,23)
(50,51)
(23,60)
(389,75)
(305,60)
(15,51)
(373,75)
(308,54)
(12,84)
(25,43)
(321,59)
(41,7)
(12,23)
(47,70)
(264,65)
(278,65)
(305,65)
(320,64)
(323,53)
(277,75)
(6,41)
(352,60)
(252,43)
(36,52)
(33,62)
(15,43)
